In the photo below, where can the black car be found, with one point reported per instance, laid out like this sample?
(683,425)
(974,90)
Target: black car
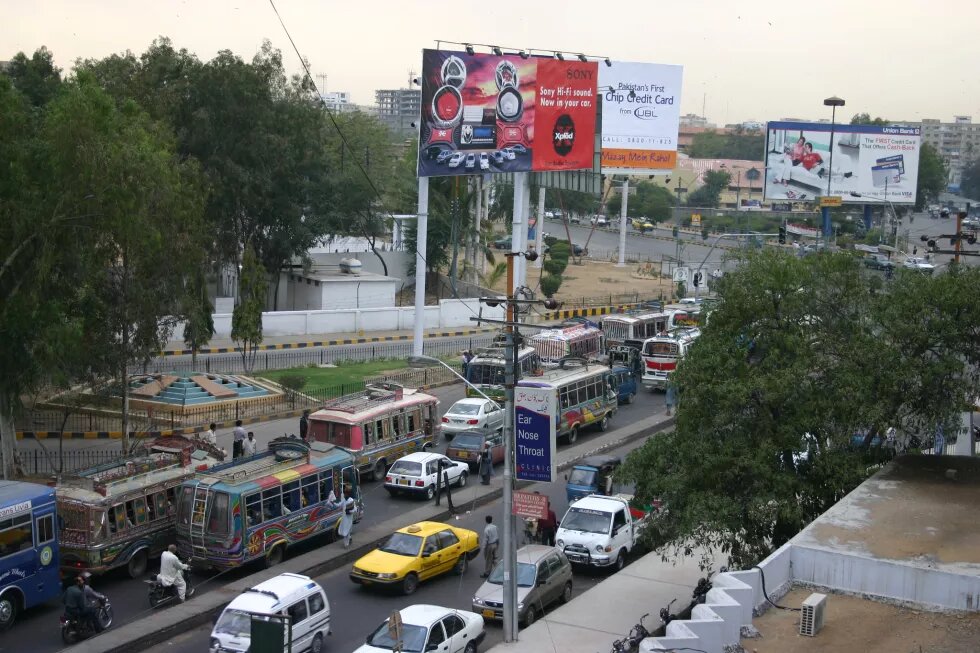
(878,262)
(432,151)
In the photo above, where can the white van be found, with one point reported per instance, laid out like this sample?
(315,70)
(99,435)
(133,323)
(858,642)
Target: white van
(298,597)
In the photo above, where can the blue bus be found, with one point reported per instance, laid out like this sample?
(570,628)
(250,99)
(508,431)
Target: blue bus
(29,572)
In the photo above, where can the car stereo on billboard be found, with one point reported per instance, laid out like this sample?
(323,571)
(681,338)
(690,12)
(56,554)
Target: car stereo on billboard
(447,104)
(510,107)
(479,130)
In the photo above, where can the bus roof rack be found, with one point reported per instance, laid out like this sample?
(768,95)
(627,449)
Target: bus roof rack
(572,362)
(371,395)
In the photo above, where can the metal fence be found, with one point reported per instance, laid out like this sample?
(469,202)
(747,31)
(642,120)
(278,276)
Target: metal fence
(38,462)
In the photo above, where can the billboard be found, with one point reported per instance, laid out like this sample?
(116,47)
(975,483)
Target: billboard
(871,164)
(535,433)
(483,113)
(641,105)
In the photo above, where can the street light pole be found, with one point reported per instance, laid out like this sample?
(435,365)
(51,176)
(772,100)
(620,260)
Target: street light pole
(833,102)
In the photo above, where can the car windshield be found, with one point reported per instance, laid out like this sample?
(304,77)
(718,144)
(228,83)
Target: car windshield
(413,638)
(587,521)
(525,575)
(406,468)
(582,477)
(460,408)
(468,441)
(235,623)
(403,544)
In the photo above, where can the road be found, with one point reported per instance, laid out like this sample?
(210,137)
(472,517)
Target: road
(37,630)
(355,612)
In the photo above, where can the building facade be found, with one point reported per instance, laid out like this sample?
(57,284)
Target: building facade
(399,108)
(957,142)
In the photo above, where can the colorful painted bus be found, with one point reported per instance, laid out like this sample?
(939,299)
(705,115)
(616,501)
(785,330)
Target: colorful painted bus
(29,573)
(253,508)
(586,394)
(378,425)
(662,354)
(121,514)
(576,339)
(486,370)
(631,329)
(685,316)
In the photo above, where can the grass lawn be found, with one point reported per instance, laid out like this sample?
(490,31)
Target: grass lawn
(344,373)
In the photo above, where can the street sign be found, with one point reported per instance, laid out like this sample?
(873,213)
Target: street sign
(831,201)
(695,219)
(680,275)
(535,435)
(530,504)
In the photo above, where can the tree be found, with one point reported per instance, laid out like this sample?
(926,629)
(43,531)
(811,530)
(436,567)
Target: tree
(37,78)
(709,194)
(739,144)
(246,320)
(198,316)
(799,355)
(932,176)
(866,119)
(970,179)
(650,201)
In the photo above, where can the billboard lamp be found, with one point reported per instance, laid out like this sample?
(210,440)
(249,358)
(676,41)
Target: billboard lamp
(582,58)
(524,54)
(608,63)
(559,56)
(469,49)
(497,51)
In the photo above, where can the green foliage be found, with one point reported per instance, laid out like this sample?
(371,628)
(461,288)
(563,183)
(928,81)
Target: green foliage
(932,177)
(560,252)
(681,289)
(550,283)
(246,320)
(970,180)
(344,373)
(709,193)
(740,144)
(292,381)
(494,276)
(37,78)
(198,316)
(866,119)
(553,267)
(799,354)
(650,201)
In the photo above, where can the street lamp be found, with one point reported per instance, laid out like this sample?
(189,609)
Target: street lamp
(833,102)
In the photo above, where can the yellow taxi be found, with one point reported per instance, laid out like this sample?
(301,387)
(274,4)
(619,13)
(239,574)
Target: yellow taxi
(417,553)
(642,225)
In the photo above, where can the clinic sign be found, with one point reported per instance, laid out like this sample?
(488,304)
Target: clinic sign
(535,435)
(641,105)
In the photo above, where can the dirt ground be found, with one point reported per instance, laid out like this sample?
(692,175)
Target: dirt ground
(594,279)
(859,625)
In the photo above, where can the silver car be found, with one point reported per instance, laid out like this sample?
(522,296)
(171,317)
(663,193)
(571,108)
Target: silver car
(544,576)
(472,413)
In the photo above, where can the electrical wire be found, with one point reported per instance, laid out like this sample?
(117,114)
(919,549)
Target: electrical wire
(762,576)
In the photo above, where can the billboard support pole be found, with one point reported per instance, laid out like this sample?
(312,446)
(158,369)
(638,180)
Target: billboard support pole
(421,231)
(825,212)
(867,217)
(474,239)
(518,236)
(622,223)
(539,231)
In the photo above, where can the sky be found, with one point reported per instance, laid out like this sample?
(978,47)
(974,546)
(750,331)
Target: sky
(749,60)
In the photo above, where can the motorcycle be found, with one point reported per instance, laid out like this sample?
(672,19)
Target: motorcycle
(631,643)
(160,594)
(74,629)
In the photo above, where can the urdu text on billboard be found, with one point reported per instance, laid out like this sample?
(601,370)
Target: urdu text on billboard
(640,116)
(871,164)
(484,113)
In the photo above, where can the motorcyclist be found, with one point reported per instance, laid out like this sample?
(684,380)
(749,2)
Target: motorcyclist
(171,572)
(77,607)
(91,596)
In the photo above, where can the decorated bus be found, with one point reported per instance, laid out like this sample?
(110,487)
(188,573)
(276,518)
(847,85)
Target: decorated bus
(586,395)
(661,355)
(254,507)
(121,514)
(378,425)
(631,329)
(575,339)
(486,370)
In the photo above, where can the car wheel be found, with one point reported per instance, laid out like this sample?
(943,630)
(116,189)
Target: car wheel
(460,568)
(410,584)
(8,610)
(566,594)
(274,556)
(604,423)
(631,398)
(316,646)
(470,647)
(621,560)
(573,435)
(430,492)
(530,616)
(137,565)
(462,479)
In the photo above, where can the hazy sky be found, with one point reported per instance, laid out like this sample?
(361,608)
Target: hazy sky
(755,59)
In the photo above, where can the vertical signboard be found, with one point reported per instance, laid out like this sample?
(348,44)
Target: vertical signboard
(535,435)
(640,116)
(484,113)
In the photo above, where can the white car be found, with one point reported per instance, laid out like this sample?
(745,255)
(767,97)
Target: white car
(469,414)
(600,221)
(417,472)
(430,628)
(918,263)
(484,161)
(470,161)
(509,153)
(456,159)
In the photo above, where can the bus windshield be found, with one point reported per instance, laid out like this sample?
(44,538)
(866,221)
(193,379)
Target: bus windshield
(486,373)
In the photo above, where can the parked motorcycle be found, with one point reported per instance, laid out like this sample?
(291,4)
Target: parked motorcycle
(159,594)
(74,629)
(631,643)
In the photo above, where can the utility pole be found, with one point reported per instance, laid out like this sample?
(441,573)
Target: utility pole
(622,223)
(509,542)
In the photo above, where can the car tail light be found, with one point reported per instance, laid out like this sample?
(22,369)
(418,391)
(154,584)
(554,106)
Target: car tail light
(445,420)
(472,421)
(420,483)
(388,479)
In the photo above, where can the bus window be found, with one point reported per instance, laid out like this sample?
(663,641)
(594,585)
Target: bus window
(310,494)
(172,500)
(382,429)
(368,430)
(350,477)
(290,497)
(397,425)
(271,503)
(151,507)
(253,508)
(139,510)
(413,421)
(338,434)
(16,535)
(326,485)
(218,517)
(100,526)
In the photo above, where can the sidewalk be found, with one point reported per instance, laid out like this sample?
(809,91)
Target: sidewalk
(160,626)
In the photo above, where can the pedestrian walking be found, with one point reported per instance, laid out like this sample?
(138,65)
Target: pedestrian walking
(670,398)
(547,527)
(249,444)
(239,439)
(490,542)
(486,464)
(304,424)
(442,485)
(349,505)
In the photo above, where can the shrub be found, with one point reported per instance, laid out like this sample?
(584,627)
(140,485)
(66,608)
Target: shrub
(550,283)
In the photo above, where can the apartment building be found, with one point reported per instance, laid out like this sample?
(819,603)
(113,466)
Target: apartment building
(957,142)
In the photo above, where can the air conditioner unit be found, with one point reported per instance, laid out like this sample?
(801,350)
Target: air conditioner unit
(811,617)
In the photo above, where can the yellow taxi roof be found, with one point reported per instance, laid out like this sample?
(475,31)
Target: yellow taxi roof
(424,528)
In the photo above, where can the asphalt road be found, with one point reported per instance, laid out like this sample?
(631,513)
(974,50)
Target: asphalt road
(38,631)
(356,612)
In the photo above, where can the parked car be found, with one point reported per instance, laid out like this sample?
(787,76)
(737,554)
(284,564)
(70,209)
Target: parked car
(544,576)
(416,553)
(599,531)
(444,156)
(467,447)
(503,242)
(429,628)
(548,215)
(472,413)
(919,264)
(416,473)
(484,161)
(878,262)
(577,249)
(433,151)
(574,219)
(642,225)
(456,159)
(470,161)
(498,157)
(518,148)
(600,221)
(509,153)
